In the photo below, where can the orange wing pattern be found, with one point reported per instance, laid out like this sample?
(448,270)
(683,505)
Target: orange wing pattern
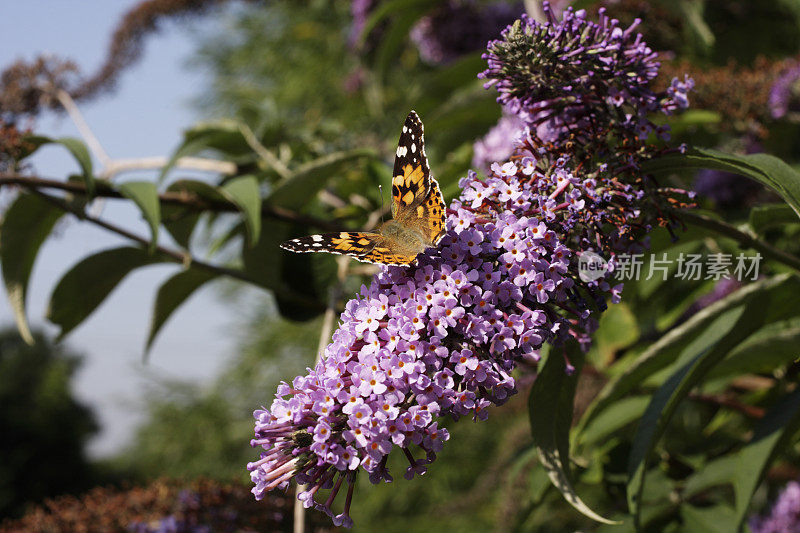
(432,213)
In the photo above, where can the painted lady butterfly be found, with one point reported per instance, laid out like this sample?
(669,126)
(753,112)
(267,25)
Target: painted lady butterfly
(418,212)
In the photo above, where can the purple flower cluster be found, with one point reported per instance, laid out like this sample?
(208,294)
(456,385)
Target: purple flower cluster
(574,76)
(726,189)
(784,96)
(784,515)
(461,26)
(721,289)
(360,10)
(439,338)
(499,143)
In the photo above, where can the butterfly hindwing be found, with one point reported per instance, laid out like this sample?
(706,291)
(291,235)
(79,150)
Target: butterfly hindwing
(384,255)
(432,214)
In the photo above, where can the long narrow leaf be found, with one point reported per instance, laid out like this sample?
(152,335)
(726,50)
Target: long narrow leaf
(664,352)
(220,136)
(26,225)
(740,323)
(763,217)
(385,10)
(550,409)
(766,169)
(771,435)
(171,295)
(79,151)
(244,193)
(145,195)
(81,290)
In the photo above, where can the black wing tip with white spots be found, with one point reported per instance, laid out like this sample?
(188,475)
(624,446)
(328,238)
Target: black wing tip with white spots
(411,146)
(311,243)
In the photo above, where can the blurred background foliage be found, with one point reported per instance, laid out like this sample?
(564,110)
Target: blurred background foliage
(305,99)
(41,423)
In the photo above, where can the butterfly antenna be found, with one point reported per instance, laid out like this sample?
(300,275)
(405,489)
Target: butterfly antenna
(380,193)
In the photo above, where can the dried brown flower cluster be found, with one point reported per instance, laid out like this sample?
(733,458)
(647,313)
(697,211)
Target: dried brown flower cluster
(25,87)
(740,94)
(13,145)
(165,505)
(28,87)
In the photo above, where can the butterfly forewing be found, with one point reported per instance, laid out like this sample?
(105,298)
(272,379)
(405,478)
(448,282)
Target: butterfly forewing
(345,242)
(411,176)
(364,246)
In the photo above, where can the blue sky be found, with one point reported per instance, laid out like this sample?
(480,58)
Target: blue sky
(143,117)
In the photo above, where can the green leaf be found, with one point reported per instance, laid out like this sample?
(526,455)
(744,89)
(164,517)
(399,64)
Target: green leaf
(298,281)
(78,150)
(765,169)
(689,120)
(81,290)
(767,350)
(445,80)
(393,39)
(311,177)
(772,434)
(712,474)
(664,352)
(692,12)
(769,216)
(244,193)
(145,195)
(467,114)
(386,9)
(619,415)
(171,295)
(179,222)
(737,324)
(550,407)
(617,329)
(263,261)
(717,519)
(26,224)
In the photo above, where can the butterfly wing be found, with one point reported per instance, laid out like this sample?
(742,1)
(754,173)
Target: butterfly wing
(363,246)
(411,178)
(416,198)
(431,214)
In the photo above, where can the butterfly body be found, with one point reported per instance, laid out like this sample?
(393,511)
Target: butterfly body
(403,236)
(418,212)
